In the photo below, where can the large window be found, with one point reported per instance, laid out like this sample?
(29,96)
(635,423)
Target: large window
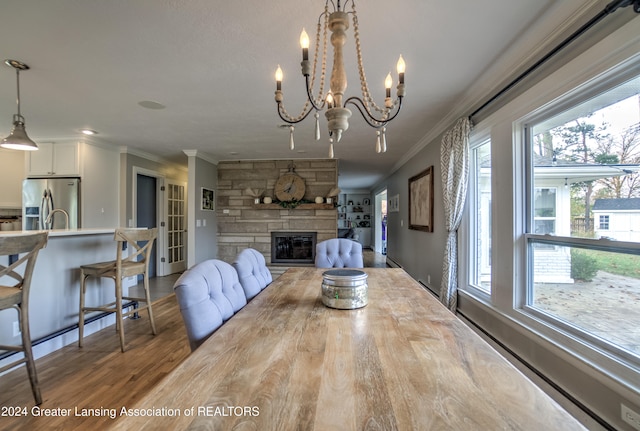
(583,226)
(480,216)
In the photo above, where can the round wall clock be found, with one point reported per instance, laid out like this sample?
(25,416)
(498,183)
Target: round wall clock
(289,187)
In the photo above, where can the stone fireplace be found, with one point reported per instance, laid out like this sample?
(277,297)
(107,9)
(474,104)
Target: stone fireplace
(243,223)
(293,247)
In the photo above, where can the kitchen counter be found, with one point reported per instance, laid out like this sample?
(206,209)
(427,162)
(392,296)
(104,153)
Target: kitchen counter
(63,232)
(55,287)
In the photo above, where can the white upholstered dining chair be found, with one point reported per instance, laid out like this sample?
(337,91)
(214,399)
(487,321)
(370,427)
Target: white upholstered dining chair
(208,294)
(339,253)
(252,272)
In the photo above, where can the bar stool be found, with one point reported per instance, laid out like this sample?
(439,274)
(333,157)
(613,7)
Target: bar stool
(17,296)
(123,266)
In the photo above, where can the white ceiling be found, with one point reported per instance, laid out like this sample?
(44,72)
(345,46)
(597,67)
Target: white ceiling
(211,63)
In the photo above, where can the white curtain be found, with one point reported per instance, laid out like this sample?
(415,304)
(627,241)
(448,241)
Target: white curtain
(454,161)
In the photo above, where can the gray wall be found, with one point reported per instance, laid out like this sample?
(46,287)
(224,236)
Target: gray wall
(419,253)
(201,240)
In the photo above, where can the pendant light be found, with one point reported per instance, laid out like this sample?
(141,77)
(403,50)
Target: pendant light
(18,139)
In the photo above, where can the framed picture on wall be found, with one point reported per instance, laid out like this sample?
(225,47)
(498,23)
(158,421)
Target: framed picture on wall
(393,204)
(421,201)
(208,199)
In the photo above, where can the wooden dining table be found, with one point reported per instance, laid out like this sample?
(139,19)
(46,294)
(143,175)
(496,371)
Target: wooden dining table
(402,362)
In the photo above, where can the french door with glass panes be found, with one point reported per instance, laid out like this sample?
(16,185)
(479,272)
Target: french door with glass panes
(176,257)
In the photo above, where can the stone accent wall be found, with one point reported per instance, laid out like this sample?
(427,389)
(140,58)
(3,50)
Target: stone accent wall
(242,224)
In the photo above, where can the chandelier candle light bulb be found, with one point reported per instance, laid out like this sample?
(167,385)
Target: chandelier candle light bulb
(388,82)
(278,79)
(334,102)
(304,44)
(400,67)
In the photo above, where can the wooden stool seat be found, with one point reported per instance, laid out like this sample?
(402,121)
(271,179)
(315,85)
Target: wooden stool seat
(17,296)
(117,270)
(108,269)
(9,296)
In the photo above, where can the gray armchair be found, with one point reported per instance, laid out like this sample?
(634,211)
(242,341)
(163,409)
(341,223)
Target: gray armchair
(209,293)
(339,253)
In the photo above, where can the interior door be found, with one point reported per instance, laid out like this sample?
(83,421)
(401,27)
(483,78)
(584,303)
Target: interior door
(175,208)
(146,212)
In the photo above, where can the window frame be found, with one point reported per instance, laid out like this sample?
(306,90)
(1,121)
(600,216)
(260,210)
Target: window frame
(578,95)
(467,232)
(563,358)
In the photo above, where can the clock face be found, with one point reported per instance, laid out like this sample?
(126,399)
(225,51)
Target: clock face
(289,187)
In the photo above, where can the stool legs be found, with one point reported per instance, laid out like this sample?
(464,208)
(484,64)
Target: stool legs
(149,309)
(119,318)
(115,307)
(83,288)
(28,353)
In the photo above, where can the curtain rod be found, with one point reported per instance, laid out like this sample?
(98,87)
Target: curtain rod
(609,9)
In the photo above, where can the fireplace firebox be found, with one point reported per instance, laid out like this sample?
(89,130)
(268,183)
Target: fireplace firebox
(293,247)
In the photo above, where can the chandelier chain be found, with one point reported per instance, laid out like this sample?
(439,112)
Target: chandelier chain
(323,72)
(320,98)
(369,102)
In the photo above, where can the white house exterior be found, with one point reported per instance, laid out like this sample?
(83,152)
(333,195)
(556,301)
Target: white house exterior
(617,219)
(552,214)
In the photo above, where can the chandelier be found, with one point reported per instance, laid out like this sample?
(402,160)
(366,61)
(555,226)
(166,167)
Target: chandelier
(334,101)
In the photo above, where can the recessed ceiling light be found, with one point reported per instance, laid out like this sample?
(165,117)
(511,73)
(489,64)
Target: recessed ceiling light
(150,104)
(89,132)
(233,153)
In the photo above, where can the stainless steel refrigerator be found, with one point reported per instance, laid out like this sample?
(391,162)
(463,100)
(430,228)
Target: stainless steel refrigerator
(41,196)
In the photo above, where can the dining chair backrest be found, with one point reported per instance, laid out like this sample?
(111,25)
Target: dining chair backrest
(208,294)
(16,245)
(15,285)
(137,261)
(339,253)
(252,272)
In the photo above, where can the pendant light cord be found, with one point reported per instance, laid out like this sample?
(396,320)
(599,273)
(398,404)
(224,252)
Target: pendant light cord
(18,92)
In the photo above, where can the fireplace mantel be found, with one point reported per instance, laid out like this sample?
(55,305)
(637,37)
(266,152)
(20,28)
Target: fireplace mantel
(273,206)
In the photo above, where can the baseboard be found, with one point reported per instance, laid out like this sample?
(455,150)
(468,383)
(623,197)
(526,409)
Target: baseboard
(392,263)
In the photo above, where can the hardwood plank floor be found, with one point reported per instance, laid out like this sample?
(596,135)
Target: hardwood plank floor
(98,375)
(373,260)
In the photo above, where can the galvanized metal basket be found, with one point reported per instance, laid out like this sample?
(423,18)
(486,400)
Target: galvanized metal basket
(345,289)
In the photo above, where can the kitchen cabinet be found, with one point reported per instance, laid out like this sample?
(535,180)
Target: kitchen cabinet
(11,175)
(59,159)
(354,211)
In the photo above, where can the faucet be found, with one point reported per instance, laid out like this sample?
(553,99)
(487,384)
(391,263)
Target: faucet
(50,217)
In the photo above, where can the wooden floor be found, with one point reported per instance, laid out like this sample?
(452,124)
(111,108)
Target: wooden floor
(98,376)
(373,259)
